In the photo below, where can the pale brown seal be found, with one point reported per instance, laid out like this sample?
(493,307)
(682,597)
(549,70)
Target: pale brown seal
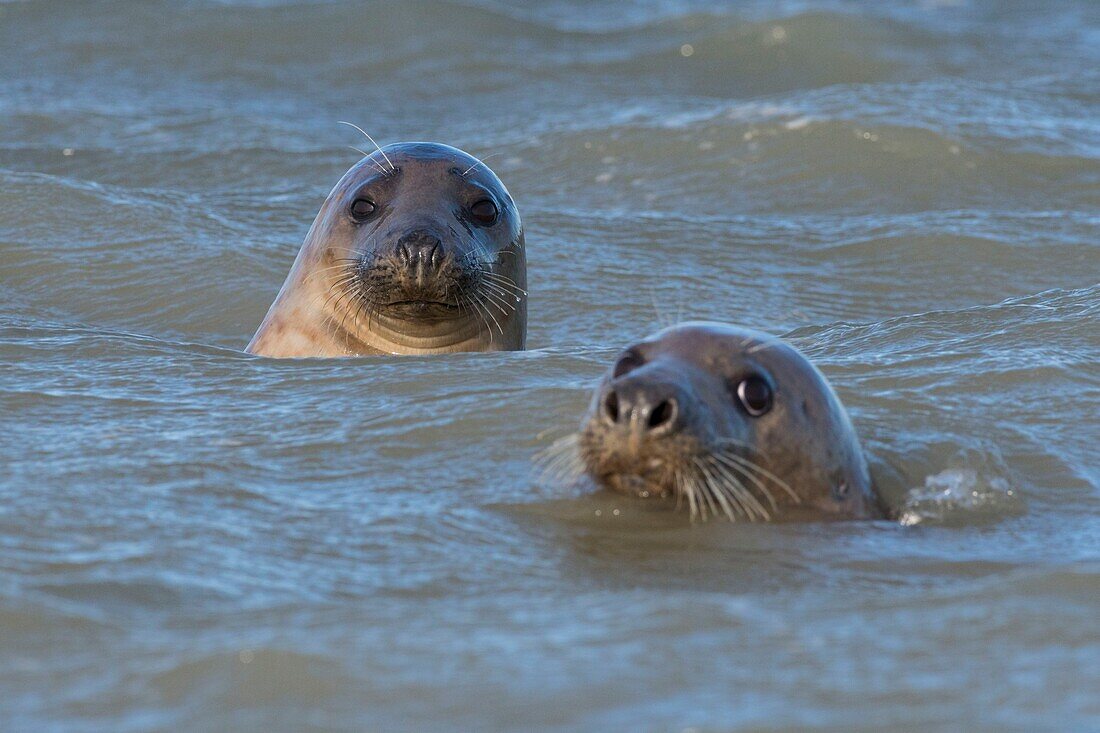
(729,421)
(417,250)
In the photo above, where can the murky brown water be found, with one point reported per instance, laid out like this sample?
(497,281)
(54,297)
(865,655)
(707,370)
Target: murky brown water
(193,539)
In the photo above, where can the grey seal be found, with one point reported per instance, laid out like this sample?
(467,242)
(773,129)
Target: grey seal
(419,249)
(728,420)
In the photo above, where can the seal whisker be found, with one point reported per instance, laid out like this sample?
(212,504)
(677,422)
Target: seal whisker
(750,498)
(487,286)
(725,495)
(481,256)
(323,270)
(505,279)
(680,487)
(380,150)
(707,490)
(462,305)
(733,490)
(718,489)
(693,505)
(465,301)
(560,460)
(370,310)
(334,248)
(361,304)
(335,290)
(328,296)
(751,477)
(481,302)
(764,472)
(505,288)
(338,281)
(340,289)
(684,491)
(480,161)
(510,298)
(702,482)
(341,292)
(467,307)
(750,502)
(663,320)
(482,312)
(488,256)
(509,287)
(377,167)
(558,457)
(347,311)
(498,302)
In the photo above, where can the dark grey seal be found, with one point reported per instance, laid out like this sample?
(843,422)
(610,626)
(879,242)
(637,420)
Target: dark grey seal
(728,421)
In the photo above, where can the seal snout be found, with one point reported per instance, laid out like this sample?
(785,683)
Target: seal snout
(421,253)
(637,431)
(642,407)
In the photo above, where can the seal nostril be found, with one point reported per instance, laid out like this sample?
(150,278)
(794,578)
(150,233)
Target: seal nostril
(404,254)
(662,414)
(611,407)
(420,249)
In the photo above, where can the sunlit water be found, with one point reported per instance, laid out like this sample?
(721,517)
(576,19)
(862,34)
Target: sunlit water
(195,539)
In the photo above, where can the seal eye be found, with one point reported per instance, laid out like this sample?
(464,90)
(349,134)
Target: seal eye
(484,212)
(629,361)
(755,395)
(362,209)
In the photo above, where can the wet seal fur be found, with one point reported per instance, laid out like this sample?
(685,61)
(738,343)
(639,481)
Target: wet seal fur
(418,249)
(726,420)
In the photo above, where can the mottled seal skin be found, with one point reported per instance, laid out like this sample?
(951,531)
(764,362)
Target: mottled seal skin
(729,421)
(418,249)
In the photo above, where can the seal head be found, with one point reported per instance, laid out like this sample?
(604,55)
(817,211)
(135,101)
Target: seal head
(418,249)
(729,421)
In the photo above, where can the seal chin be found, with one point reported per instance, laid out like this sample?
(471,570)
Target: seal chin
(418,309)
(635,466)
(637,485)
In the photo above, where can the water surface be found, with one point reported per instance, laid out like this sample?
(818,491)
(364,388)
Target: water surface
(195,539)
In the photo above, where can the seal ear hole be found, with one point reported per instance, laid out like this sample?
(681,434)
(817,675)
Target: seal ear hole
(755,395)
(629,361)
(362,209)
(484,212)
